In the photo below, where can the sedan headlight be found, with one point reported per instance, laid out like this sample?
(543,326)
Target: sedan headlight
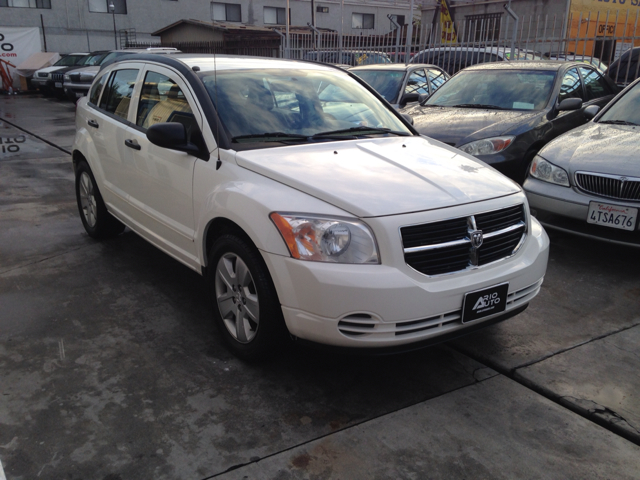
(487,146)
(547,172)
(322,239)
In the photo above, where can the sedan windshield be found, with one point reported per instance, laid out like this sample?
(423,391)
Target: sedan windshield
(626,111)
(386,82)
(69,60)
(496,89)
(293,105)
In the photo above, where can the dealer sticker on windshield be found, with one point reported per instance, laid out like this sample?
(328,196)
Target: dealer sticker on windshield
(485,302)
(614,216)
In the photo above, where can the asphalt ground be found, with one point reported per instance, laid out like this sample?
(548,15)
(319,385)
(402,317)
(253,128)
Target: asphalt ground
(111,369)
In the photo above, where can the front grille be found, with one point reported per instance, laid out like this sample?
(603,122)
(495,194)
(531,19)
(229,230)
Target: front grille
(610,186)
(444,247)
(75,77)
(57,77)
(42,74)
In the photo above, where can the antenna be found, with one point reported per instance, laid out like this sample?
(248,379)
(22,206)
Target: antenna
(215,85)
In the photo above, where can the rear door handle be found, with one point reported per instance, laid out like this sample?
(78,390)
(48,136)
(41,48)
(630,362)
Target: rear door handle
(132,144)
(92,123)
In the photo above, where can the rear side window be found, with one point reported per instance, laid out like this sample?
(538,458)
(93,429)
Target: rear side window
(571,86)
(96,90)
(162,100)
(417,83)
(436,79)
(117,95)
(595,85)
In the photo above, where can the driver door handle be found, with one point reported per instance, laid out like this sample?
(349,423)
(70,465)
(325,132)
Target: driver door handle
(132,144)
(92,123)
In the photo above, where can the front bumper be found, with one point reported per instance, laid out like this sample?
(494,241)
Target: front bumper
(77,89)
(394,306)
(566,209)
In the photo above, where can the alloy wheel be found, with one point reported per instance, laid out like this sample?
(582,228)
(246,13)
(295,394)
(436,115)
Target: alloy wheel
(88,200)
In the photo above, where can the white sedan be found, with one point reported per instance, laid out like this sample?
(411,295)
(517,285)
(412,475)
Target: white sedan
(311,207)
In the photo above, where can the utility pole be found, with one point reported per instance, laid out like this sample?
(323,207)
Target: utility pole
(313,12)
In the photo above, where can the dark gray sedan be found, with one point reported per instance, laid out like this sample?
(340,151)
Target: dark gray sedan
(587,181)
(504,112)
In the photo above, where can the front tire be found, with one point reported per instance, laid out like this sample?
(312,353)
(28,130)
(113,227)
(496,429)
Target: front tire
(97,221)
(246,308)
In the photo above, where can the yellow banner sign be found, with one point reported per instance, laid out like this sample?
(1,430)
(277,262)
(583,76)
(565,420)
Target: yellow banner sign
(614,7)
(446,22)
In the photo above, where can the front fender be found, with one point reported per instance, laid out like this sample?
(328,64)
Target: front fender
(246,199)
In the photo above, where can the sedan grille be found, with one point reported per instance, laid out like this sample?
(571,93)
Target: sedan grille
(453,245)
(42,74)
(75,77)
(610,186)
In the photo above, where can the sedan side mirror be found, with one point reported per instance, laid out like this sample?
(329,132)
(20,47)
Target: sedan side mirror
(408,118)
(408,97)
(173,135)
(570,104)
(591,111)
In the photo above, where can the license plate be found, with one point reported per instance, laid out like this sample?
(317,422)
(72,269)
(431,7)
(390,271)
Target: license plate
(485,302)
(613,216)
(58,84)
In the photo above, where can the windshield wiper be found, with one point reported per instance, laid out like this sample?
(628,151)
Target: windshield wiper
(617,122)
(358,130)
(478,105)
(276,135)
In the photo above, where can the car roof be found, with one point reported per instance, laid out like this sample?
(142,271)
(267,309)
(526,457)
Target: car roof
(209,62)
(393,66)
(550,65)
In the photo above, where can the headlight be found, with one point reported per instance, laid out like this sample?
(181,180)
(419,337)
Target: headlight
(487,146)
(547,172)
(321,239)
(67,78)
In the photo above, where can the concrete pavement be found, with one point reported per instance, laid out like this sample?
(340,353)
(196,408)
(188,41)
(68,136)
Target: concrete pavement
(111,368)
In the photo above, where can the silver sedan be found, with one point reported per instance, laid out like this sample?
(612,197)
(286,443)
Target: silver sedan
(587,181)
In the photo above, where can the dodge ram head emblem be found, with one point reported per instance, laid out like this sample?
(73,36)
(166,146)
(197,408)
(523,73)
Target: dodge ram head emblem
(476,238)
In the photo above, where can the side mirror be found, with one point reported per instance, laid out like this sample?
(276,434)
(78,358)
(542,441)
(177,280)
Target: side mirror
(570,104)
(591,111)
(408,98)
(408,118)
(423,98)
(173,135)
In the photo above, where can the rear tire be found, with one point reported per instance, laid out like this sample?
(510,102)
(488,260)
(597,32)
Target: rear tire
(246,308)
(97,221)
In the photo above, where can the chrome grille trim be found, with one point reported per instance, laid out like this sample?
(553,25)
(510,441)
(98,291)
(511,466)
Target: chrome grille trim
(619,187)
(427,249)
(464,241)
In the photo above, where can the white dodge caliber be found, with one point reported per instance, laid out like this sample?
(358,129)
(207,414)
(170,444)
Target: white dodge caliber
(313,209)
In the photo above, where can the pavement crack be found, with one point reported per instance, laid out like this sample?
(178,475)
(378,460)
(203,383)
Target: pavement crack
(18,267)
(48,142)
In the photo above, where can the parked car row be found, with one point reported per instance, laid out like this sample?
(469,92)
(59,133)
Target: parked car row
(73,74)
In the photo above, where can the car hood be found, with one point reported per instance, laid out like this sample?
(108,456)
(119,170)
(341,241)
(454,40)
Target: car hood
(457,126)
(49,69)
(596,147)
(381,176)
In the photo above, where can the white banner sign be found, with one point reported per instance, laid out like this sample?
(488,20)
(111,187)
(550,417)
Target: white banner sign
(16,45)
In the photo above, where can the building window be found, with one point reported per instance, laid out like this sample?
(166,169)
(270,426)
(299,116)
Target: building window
(26,3)
(363,20)
(102,6)
(482,27)
(399,19)
(322,9)
(275,16)
(226,12)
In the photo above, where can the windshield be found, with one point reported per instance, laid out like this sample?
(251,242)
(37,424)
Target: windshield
(386,82)
(69,60)
(297,102)
(91,60)
(625,110)
(503,89)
